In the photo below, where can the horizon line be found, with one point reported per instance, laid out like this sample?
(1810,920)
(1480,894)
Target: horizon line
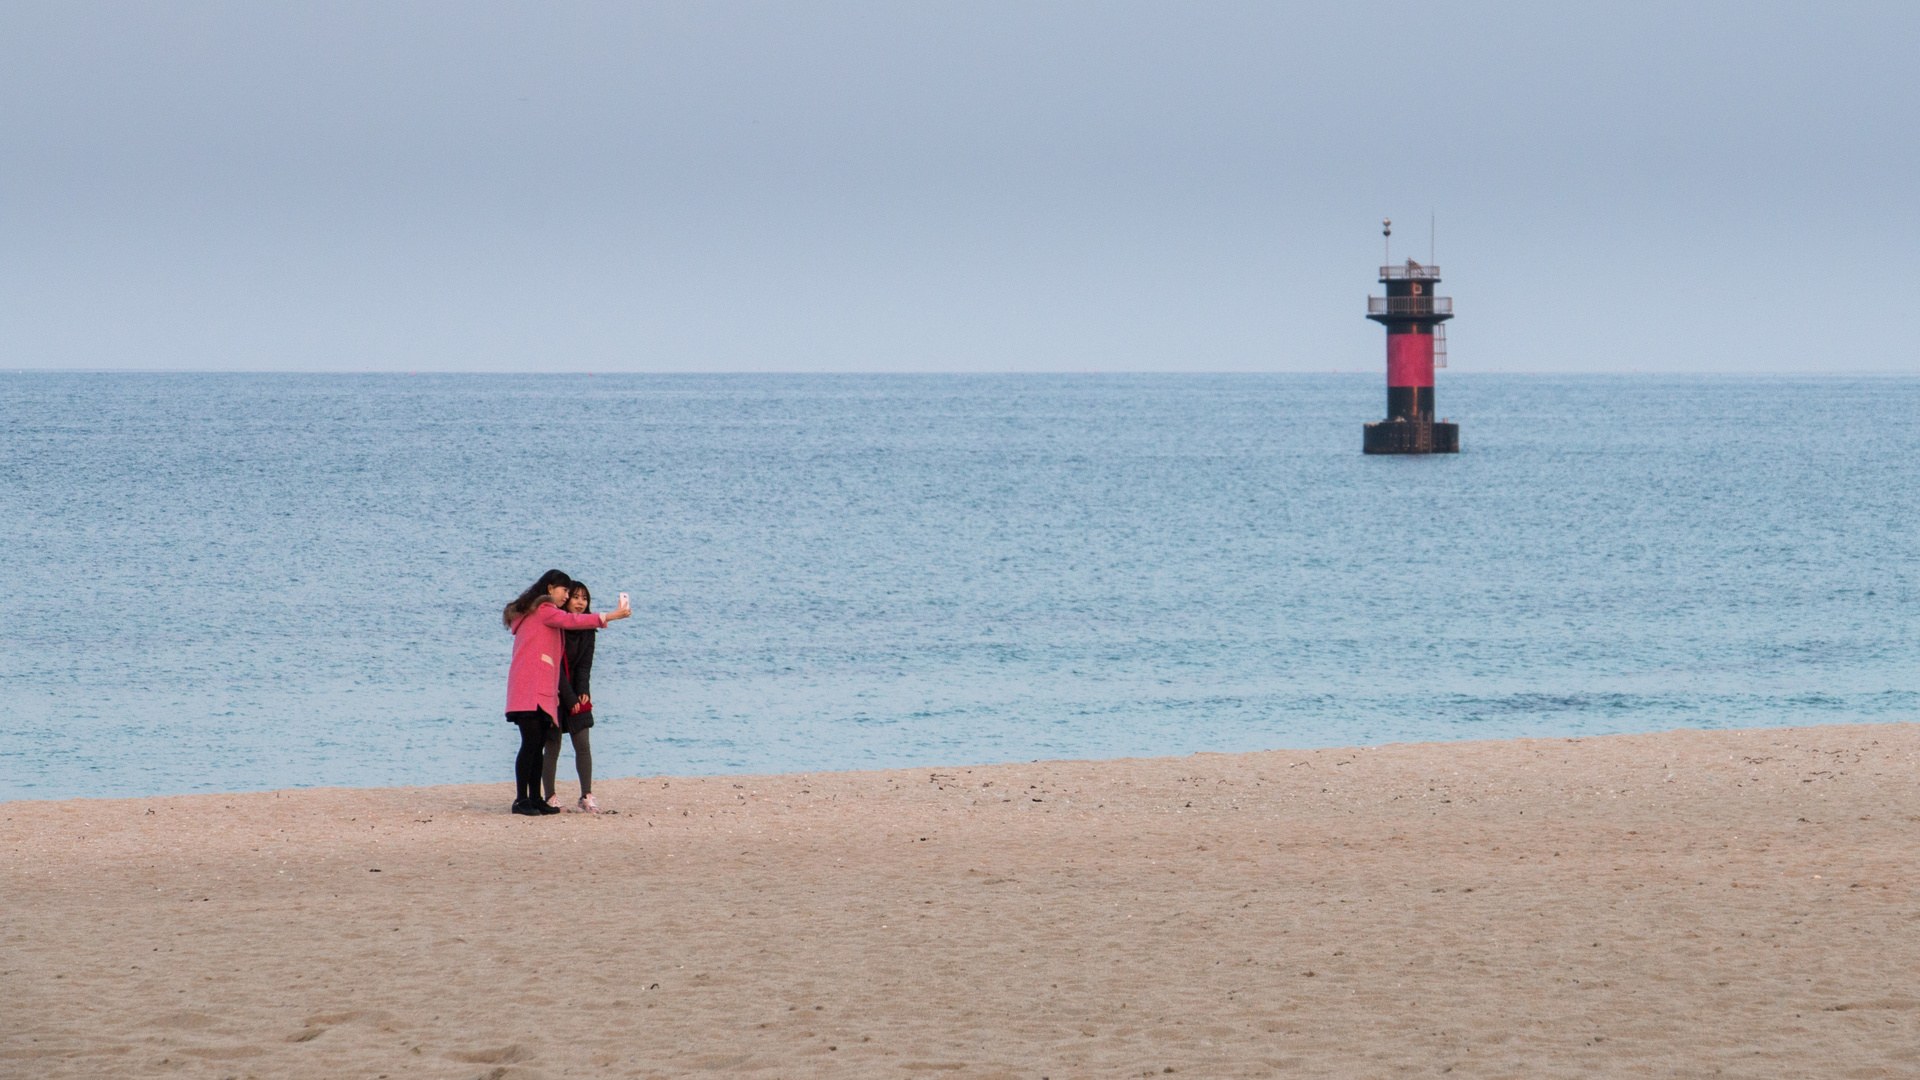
(1095,372)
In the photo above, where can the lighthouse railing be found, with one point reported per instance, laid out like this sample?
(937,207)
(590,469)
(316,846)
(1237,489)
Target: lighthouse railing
(1409,305)
(1412,272)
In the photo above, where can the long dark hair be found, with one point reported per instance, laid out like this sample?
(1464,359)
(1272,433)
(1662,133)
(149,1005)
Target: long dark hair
(531,599)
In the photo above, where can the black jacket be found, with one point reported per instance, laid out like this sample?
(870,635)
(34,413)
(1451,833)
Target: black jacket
(574,679)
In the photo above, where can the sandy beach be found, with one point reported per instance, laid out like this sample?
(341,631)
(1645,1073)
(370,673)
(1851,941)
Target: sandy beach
(1735,904)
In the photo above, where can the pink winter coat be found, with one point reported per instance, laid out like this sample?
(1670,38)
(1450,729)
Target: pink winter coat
(533,679)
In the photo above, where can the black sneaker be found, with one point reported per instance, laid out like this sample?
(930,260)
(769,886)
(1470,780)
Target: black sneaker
(527,807)
(547,808)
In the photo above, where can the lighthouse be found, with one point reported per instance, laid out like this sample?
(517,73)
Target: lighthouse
(1416,344)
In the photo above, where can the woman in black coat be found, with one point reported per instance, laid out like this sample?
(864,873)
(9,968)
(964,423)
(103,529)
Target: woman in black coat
(576,707)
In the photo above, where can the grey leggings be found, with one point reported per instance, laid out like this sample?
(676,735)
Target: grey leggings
(582,759)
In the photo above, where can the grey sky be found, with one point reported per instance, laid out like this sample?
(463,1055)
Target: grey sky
(952,186)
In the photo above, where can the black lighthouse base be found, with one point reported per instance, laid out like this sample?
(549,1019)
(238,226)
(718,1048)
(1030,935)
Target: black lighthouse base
(1412,437)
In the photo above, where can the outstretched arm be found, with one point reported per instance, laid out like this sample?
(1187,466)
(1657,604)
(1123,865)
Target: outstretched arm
(567,620)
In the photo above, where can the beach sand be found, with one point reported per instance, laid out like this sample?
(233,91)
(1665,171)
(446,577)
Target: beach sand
(1737,904)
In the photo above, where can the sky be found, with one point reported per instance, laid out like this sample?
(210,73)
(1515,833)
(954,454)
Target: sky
(953,187)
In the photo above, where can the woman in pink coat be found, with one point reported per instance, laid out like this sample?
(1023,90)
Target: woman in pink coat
(538,619)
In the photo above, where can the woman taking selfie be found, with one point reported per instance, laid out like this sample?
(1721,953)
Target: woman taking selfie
(538,623)
(576,707)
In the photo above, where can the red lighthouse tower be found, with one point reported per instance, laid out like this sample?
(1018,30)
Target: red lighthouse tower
(1416,344)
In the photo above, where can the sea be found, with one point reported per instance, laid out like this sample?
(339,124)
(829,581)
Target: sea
(231,582)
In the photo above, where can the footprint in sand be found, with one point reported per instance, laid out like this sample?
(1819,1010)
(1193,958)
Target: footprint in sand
(1884,1003)
(506,1055)
(186,1021)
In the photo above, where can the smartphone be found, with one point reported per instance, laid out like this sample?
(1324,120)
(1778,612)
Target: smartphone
(623,600)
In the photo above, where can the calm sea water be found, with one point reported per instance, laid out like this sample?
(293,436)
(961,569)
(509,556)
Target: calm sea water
(231,582)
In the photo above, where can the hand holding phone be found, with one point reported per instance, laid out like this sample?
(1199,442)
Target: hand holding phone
(625,604)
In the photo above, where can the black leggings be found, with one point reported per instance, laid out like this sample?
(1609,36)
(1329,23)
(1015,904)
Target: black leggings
(582,759)
(534,726)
